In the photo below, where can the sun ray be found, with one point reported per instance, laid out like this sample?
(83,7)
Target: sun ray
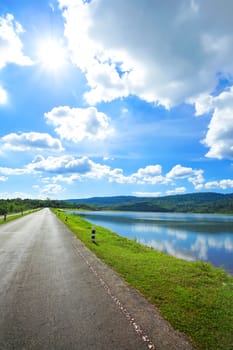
(51,55)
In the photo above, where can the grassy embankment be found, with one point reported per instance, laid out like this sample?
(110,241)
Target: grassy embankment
(15,216)
(194,297)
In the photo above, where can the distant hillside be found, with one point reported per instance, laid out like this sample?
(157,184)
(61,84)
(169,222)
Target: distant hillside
(195,202)
(103,201)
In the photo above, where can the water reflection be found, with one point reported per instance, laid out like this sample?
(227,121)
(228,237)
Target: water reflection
(169,248)
(187,236)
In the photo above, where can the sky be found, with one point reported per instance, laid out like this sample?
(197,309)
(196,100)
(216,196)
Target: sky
(105,97)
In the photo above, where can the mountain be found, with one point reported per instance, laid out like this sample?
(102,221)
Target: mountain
(103,201)
(208,202)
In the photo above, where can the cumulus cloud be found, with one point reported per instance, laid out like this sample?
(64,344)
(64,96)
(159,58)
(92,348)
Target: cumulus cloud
(32,140)
(52,189)
(76,124)
(151,174)
(11,46)
(219,137)
(179,171)
(49,190)
(222,184)
(150,171)
(64,165)
(164,52)
(68,169)
(195,176)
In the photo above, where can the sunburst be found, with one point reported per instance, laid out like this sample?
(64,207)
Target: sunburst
(51,55)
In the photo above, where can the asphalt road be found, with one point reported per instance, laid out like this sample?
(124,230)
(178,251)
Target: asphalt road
(55,294)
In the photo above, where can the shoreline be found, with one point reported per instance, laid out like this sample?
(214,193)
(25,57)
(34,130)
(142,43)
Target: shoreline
(194,297)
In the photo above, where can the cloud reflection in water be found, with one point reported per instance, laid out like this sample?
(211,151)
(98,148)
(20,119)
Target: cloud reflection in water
(187,236)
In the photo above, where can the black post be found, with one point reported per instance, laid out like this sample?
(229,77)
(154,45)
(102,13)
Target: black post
(93,234)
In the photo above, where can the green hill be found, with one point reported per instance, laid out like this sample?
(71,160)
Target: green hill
(195,202)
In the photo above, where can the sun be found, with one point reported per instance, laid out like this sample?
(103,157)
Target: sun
(51,55)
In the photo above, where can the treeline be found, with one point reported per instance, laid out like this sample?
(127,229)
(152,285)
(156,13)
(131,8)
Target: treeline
(18,205)
(187,203)
(190,203)
(202,202)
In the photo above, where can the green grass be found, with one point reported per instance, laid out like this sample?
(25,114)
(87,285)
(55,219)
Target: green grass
(15,216)
(194,297)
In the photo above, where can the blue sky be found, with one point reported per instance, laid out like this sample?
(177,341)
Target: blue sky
(104,97)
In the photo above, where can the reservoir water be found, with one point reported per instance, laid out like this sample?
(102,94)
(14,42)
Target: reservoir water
(191,237)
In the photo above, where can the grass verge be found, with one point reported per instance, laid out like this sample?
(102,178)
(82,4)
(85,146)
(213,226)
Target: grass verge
(194,297)
(16,216)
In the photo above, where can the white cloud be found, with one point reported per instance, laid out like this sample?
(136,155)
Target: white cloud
(64,165)
(69,169)
(195,176)
(166,53)
(150,171)
(3,178)
(219,137)
(13,195)
(49,190)
(177,190)
(106,158)
(147,194)
(151,174)
(11,47)
(203,104)
(27,141)
(105,83)
(63,178)
(52,189)
(180,172)
(197,179)
(76,124)
(14,171)
(222,184)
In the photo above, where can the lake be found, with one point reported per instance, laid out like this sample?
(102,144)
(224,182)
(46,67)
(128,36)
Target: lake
(191,237)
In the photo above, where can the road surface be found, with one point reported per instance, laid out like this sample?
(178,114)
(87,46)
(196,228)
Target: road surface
(55,294)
